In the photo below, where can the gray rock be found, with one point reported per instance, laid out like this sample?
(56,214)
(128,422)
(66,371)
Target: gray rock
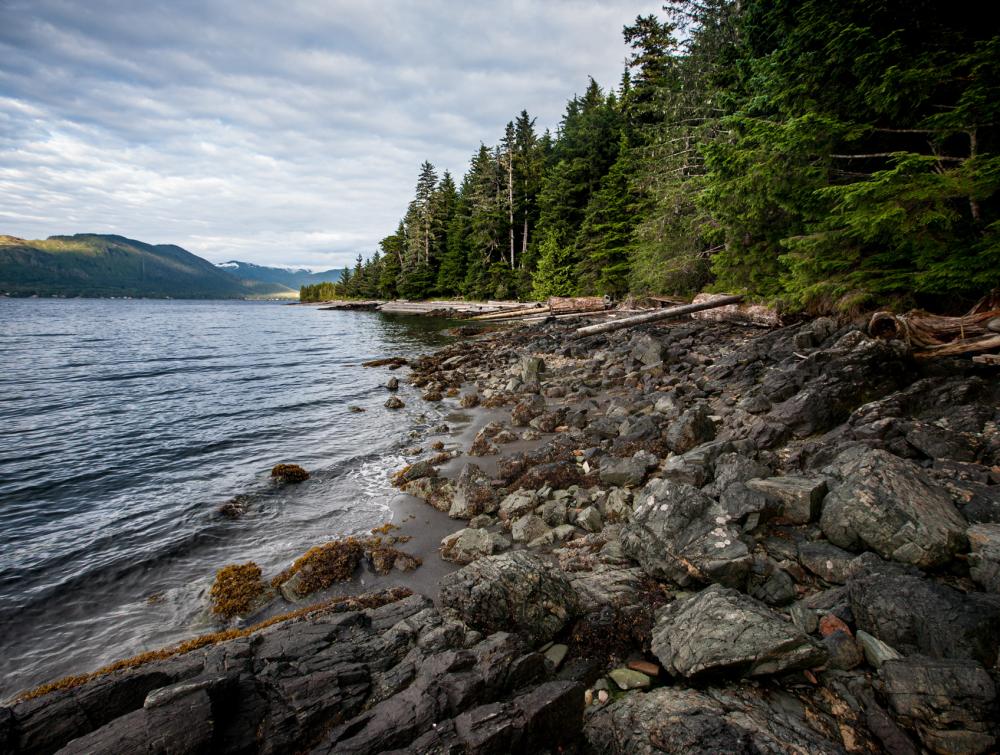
(679,533)
(984,561)
(518,503)
(876,652)
(553,513)
(474,494)
(842,651)
(798,498)
(692,428)
(626,678)
(826,561)
(891,507)
(555,655)
(465,546)
(916,615)
(394,402)
(528,528)
(732,467)
(951,704)
(621,472)
(392,384)
(691,722)
(525,411)
(531,368)
(744,507)
(607,586)
(649,350)
(804,617)
(516,591)
(776,589)
(590,519)
(722,629)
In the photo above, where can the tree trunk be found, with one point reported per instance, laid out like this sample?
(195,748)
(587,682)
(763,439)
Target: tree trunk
(659,314)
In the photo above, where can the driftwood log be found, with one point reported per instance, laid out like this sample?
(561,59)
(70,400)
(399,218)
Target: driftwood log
(931,336)
(656,314)
(563,305)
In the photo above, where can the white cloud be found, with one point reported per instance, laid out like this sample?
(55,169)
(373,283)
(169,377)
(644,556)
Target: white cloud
(275,132)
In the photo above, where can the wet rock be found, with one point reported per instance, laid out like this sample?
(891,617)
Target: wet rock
(528,528)
(798,498)
(474,494)
(394,402)
(678,533)
(915,615)
(984,561)
(465,546)
(826,561)
(690,722)
(469,400)
(392,384)
(891,507)
(951,704)
(691,429)
(415,471)
(289,473)
(517,591)
(722,629)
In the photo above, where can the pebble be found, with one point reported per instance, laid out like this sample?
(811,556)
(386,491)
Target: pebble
(831,623)
(603,696)
(644,667)
(628,679)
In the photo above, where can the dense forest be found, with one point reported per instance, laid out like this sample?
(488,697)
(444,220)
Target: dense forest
(813,154)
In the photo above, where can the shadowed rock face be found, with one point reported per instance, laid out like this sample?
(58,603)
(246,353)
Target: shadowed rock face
(354,682)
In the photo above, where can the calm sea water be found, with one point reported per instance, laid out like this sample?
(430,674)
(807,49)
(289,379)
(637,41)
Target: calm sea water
(124,425)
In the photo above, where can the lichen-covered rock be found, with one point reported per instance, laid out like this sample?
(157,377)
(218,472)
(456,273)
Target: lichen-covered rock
(608,585)
(517,504)
(517,591)
(528,528)
(465,546)
(621,472)
(474,494)
(721,629)
(678,533)
(891,507)
(691,722)
(826,561)
(951,704)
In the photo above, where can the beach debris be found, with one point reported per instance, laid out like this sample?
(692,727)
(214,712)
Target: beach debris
(238,590)
(655,316)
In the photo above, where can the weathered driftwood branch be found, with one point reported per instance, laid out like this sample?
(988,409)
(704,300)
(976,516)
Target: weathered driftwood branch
(936,336)
(658,314)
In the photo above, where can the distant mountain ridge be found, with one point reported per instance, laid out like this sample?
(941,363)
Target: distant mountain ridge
(100,265)
(293,278)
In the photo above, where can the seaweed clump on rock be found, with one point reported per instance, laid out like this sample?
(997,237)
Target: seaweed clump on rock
(237,590)
(289,473)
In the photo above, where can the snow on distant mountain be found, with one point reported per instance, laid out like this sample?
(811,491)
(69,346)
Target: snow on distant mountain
(291,277)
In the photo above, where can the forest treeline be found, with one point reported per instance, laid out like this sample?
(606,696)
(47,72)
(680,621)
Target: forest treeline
(818,155)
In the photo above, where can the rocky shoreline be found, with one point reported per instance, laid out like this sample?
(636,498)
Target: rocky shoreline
(687,537)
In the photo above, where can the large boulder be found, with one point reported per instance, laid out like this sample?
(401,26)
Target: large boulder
(517,591)
(679,533)
(951,704)
(890,506)
(916,615)
(692,722)
(724,630)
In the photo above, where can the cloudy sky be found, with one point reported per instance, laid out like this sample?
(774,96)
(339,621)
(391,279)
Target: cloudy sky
(275,131)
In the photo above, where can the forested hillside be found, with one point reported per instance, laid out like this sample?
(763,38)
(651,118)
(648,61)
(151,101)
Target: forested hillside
(818,155)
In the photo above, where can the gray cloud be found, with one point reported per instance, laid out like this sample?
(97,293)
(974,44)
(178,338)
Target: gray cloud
(278,131)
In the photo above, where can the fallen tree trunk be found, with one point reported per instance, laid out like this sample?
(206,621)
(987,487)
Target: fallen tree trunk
(658,314)
(560,305)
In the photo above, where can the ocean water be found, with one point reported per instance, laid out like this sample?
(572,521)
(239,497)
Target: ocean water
(125,424)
